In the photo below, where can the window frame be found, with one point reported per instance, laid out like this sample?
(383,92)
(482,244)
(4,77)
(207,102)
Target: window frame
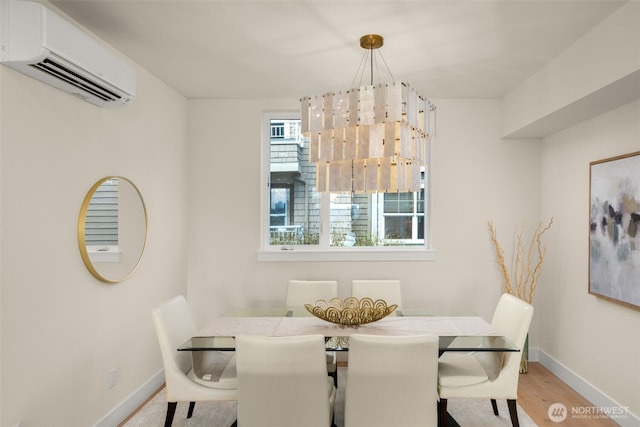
(415,220)
(288,213)
(323,251)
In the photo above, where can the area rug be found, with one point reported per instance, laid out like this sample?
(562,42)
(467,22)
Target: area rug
(466,412)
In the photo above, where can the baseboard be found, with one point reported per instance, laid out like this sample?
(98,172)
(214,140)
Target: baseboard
(131,403)
(600,400)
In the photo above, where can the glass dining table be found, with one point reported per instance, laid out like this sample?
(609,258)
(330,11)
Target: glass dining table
(462,332)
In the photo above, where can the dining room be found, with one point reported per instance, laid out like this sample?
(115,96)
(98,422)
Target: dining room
(513,158)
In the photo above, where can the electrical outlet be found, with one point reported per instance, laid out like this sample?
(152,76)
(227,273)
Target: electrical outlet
(111,378)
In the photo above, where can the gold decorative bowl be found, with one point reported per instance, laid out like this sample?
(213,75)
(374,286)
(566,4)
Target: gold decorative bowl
(351,312)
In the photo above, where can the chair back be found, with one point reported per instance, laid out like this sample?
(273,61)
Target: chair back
(301,292)
(283,382)
(392,381)
(512,318)
(388,290)
(174,325)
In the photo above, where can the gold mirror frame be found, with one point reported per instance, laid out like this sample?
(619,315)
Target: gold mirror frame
(102,276)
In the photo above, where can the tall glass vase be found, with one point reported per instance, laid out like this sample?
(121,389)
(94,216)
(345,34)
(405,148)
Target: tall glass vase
(524,361)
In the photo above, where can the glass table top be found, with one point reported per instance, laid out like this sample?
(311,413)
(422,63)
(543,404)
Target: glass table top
(447,343)
(462,343)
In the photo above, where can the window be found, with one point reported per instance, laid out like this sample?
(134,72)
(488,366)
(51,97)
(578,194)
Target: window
(297,219)
(277,130)
(403,215)
(281,200)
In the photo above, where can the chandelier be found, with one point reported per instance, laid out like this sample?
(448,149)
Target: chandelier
(371,138)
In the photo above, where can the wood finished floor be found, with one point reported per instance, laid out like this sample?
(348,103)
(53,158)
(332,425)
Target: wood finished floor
(538,389)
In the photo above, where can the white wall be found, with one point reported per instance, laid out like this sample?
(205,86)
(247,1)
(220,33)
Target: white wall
(62,330)
(476,177)
(599,72)
(594,338)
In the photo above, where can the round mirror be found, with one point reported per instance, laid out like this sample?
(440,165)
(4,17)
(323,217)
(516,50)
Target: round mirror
(112,229)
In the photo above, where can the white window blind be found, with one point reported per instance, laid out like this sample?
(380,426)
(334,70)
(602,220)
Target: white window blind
(101,227)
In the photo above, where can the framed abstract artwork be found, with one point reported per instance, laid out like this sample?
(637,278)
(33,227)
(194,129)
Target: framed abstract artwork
(614,229)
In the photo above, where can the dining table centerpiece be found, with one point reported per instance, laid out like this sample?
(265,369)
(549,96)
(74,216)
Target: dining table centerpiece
(527,266)
(351,312)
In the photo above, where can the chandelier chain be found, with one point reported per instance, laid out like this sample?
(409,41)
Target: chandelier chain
(370,54)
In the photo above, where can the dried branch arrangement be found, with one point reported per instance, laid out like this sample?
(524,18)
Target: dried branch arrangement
(527,264)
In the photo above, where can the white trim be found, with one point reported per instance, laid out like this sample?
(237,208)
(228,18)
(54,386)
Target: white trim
(131,403)
(101,253)
(598,398)
(347,254)
(284,167)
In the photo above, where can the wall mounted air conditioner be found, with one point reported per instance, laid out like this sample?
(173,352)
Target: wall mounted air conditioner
(41,44)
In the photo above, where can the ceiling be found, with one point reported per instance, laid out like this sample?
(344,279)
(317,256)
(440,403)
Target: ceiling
(286,49)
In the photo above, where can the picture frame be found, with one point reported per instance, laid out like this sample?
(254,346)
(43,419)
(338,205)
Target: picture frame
(614,229)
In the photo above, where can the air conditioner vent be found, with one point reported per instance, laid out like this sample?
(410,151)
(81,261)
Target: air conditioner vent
(63,73)
(42,44)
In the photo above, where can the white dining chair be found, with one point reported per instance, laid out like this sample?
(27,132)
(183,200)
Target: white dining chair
(282,382)
(392,381)
(472,375)
(388,290)
(174,325)
(301,292)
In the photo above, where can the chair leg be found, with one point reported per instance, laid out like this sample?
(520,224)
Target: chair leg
(171,410)
(513,412)
(333,418)
(191,406)
(494,405)
(442,412)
